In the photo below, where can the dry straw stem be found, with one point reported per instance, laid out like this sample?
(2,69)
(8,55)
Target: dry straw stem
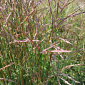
(18,28)
(29,39)
(46,81)
(7,66)
(58,80)
(69,66)
(58,76)
(22,41)
(70,2)
(60,51)
(57,48)
(64,40)
(70,15)
(6,21)
(45,50)
(66,75)
(7,80)
(64,81)
(64,6)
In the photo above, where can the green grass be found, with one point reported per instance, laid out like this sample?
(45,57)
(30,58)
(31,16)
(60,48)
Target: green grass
(28,38)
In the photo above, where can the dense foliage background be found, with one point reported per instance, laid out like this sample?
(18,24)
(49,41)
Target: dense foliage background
(42,42)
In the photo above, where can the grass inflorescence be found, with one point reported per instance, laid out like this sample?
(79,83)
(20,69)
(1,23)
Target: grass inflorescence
(42,42)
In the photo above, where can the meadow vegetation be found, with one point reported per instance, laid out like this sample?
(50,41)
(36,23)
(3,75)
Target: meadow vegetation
(42,42)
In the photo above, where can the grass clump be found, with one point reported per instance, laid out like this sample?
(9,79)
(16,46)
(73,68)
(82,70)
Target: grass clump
(42,42)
